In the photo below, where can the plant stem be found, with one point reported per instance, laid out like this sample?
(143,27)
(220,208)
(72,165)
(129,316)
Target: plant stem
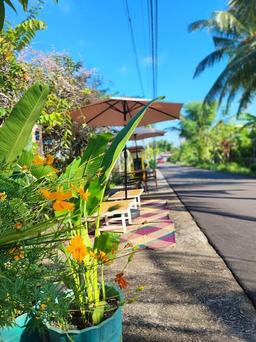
(103,283)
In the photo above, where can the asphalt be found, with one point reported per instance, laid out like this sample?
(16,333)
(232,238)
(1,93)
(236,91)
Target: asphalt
(224,207)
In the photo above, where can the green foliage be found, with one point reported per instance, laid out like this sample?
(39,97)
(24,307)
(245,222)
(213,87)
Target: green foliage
(233,33)
(3,3)
(195,126)
(23,33)
(223,145)
(15,132)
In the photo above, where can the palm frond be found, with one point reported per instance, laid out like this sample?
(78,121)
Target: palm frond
(210,60)
(222,42)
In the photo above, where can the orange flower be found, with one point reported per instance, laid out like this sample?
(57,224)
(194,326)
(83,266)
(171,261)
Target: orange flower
(49,159)
(63,205)
(18,225)
(59,198)
(77,248)
(83,194)
(121,281)
(17,252)
(40,160)
(47,194)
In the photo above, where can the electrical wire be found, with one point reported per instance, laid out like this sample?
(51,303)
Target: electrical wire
(134,45)
(153,37)
(156,46)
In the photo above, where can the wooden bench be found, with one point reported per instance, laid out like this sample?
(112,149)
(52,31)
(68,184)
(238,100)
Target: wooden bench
(131,193)
(118,210)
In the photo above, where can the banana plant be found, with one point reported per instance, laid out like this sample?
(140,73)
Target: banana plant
(95,168)
(16,130)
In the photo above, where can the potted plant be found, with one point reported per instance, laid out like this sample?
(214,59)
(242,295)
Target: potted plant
(80,304)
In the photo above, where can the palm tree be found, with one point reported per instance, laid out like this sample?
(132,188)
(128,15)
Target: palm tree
(245,9)
(234,37)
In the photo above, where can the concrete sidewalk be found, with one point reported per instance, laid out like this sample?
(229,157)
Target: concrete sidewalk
(190,295)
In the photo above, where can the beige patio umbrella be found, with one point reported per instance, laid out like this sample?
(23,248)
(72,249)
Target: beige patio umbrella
(142,133)
(117,111)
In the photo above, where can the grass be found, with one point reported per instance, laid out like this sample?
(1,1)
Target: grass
(227,167)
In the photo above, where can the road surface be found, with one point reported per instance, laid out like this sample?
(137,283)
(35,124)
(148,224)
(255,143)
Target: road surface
(224,207)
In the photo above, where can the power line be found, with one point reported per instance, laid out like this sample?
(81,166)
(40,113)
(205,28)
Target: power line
(134,45)
(153,37)
(156,46)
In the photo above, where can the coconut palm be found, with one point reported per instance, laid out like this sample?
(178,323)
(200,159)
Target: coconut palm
(244,8)
(234,37)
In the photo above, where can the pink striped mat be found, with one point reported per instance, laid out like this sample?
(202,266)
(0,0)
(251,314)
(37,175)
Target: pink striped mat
(153,229)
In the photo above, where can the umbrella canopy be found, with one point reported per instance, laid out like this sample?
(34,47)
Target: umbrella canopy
(119,110)
(141,133)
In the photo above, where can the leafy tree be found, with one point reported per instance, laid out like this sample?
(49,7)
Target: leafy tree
(71,86)
(195,126)
(13,74)
(234,36)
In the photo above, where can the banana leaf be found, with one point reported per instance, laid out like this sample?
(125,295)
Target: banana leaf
(16,130)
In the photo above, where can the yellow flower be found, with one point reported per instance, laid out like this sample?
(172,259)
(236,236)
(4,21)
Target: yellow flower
(42,307)
(59,198)
(100,256)
(3,196)
(77,248)
(25,168)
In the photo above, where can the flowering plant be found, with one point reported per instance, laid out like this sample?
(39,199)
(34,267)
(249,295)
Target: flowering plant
(65,210)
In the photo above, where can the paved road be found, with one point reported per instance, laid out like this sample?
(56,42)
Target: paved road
(224,206)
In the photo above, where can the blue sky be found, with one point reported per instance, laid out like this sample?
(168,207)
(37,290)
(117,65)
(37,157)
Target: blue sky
(97,33)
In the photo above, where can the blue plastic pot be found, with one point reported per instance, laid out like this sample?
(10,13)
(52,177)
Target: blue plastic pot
(13,334)
(109,330)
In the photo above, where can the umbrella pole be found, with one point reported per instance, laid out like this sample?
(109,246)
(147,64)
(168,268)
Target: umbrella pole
(125,111)
(137,156)
(125,173)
